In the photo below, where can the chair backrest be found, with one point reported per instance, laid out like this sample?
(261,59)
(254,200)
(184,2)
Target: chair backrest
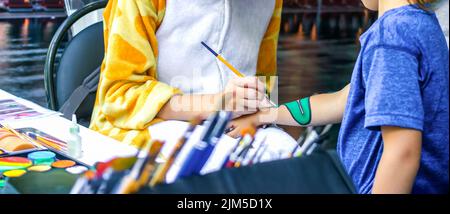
(83,54)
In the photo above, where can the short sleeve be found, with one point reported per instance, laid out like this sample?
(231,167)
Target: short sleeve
(393,93)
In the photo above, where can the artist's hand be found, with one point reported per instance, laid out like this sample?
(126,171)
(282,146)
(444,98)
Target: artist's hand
(237,125)
(243,96)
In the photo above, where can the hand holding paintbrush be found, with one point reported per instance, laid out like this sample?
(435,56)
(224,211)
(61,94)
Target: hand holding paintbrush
(265,101)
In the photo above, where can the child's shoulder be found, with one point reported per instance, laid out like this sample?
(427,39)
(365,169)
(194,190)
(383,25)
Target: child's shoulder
(409,19)
(406,27)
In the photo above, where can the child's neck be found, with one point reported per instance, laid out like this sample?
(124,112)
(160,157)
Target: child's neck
(385,5)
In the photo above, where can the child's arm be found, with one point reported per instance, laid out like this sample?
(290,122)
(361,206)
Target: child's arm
(324,109)
(400,161)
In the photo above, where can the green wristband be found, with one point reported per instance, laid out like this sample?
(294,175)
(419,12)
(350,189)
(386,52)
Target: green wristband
(300,110)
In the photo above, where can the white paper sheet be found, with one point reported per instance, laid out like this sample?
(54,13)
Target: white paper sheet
(43,112)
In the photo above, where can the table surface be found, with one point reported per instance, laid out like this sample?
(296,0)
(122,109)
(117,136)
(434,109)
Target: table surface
(96,147)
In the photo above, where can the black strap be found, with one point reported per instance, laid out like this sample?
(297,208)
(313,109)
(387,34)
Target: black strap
(339,168)
(89,85)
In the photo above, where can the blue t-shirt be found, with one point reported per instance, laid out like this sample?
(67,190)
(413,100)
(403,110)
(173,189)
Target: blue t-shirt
(400,79)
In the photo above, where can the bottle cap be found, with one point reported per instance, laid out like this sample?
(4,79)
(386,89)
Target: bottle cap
(75,128)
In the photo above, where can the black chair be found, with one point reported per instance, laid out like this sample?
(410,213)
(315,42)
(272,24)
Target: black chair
(82,55)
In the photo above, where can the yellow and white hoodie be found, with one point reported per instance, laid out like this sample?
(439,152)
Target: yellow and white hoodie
(153,52)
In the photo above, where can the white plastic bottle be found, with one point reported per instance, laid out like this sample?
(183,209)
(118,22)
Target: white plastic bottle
(74,143)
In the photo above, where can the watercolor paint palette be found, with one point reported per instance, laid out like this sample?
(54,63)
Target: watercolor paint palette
(58,156)
(39,176)
(49,145)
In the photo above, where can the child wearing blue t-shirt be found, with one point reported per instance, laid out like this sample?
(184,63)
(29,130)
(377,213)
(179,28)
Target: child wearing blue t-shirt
(394,113)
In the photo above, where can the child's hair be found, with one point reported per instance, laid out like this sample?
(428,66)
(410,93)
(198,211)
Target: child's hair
(424,4)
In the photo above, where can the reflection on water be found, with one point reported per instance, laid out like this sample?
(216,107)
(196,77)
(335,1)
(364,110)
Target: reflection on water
(316,53)
(23,47)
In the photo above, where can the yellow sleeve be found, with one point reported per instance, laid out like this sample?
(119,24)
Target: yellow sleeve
(267,59)
(129,95)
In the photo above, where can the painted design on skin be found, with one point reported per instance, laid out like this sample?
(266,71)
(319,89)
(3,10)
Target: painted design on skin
(300,110)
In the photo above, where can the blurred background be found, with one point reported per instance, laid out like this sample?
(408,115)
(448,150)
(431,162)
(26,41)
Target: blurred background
(318,45)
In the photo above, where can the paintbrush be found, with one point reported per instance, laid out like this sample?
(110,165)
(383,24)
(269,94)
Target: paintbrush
(232,68)
(248,137)
(147,171)
(99,182)
(258,157)
(199,155)
(24,137)
(46,139)
(141,170)
(249,160)
(51,144)
(163,168)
